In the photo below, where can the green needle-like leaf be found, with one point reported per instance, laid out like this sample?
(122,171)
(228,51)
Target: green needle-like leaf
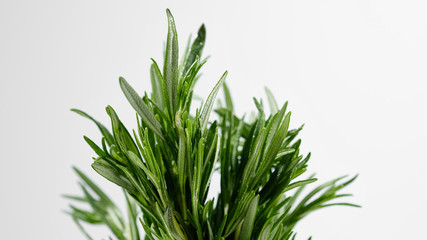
(141,108)
(207,108)
(171,62)
(247,227)
(132,214)
(272,101)
(108,137)
(109,172)
(196,48)
(95,147)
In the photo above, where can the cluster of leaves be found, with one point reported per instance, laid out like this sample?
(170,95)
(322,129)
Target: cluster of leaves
(165,166)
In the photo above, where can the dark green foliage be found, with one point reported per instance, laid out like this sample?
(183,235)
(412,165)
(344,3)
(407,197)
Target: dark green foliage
(165,165)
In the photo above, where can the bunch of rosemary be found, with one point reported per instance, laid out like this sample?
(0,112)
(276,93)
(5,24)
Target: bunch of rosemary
(165,165)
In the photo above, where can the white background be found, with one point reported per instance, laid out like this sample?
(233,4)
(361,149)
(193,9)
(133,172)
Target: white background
(353,71)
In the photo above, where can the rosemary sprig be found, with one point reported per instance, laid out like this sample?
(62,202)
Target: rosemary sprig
(165,166)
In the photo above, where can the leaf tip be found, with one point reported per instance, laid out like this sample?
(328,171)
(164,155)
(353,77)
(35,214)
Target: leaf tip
(76,169)
(170,17)
(108,108)
(202,32)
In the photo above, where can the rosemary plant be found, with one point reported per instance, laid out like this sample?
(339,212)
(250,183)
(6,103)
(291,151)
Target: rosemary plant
(165,166)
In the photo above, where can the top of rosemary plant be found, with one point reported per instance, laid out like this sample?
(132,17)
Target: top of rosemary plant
(165,165)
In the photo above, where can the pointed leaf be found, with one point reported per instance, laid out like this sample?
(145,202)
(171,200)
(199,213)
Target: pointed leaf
(248,224)
(141,108)
(112,174)
(156,85)
(271,101)
(196,48)
(207,108)
(108,136)
(170,70)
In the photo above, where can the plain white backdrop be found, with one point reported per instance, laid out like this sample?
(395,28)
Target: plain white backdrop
(353,71)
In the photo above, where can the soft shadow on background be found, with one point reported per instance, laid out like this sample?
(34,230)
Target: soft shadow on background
(353,71)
